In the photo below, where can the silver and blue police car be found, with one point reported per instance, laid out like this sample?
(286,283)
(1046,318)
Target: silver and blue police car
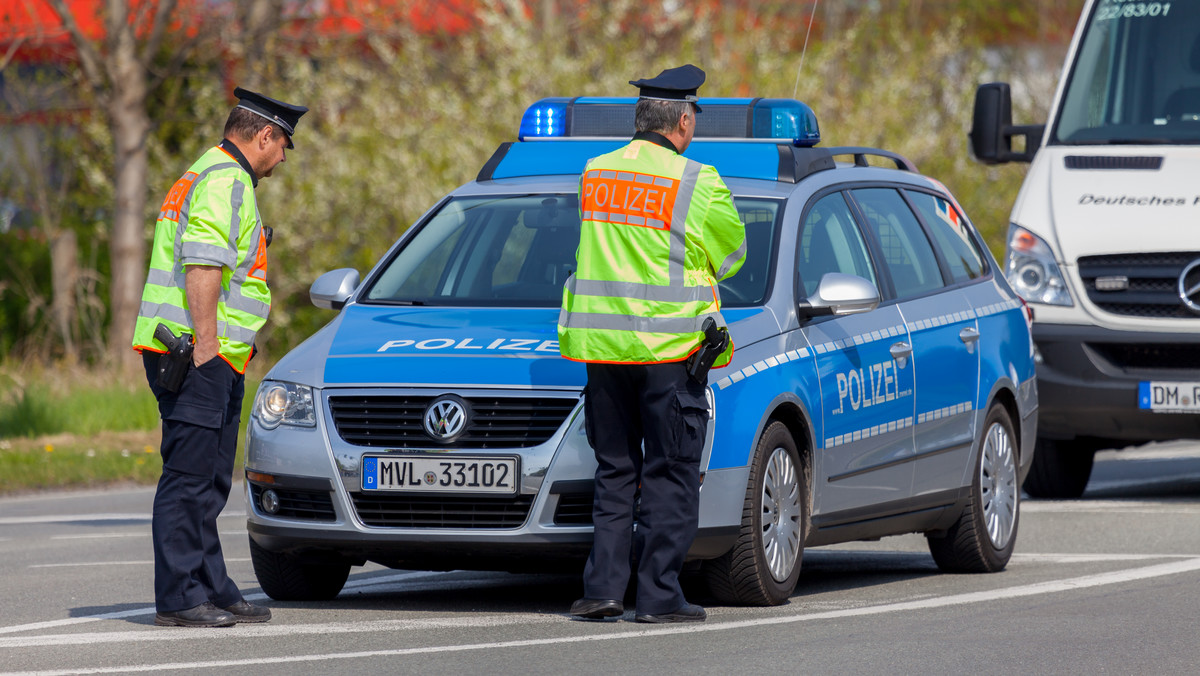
(883,381)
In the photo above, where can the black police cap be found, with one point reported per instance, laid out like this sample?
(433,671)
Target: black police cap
(673,84)
(283,114)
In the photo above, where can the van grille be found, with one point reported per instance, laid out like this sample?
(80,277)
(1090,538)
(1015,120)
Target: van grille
(1145,163)
(1150,356)
(1153,283)
(495,422)
(398,511)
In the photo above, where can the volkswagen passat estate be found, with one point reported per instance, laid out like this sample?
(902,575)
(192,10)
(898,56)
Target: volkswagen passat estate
(882,383)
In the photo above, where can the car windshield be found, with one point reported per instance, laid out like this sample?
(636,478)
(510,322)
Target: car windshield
(517,251)
(1136,76)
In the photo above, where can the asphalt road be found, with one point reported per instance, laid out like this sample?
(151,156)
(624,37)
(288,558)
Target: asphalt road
(1103,585)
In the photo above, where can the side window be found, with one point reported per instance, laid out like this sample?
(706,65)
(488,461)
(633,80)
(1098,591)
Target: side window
(950,235)
(906,250)
(830,242)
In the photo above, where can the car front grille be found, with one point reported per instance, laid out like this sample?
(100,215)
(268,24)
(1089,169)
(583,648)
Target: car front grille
(385,421)
(399,511)
(574,509)
(1149,285)
(294,504)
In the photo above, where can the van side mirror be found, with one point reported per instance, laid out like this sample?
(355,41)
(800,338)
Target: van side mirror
(840,294)
(334,288)
(992,130)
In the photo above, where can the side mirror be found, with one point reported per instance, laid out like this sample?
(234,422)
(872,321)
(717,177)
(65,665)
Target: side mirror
(334,288)
(992,130)
(840,294)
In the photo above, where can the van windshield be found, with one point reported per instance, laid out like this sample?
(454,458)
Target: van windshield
(517,251)
(1136,76)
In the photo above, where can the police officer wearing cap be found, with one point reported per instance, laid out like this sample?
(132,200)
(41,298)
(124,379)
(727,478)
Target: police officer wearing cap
(658,232)
(207,285)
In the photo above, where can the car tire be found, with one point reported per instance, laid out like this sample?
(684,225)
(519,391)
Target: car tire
(764,564)
(982,539)
(287,577)
(1060,469)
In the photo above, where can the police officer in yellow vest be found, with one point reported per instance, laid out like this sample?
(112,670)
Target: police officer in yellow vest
(658,232)
(207,286)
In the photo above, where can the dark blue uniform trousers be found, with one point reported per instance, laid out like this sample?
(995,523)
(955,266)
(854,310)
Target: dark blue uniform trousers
(199,442)
(658,406)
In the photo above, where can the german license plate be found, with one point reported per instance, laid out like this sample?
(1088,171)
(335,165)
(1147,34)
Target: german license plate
(440,474)
(1168,397)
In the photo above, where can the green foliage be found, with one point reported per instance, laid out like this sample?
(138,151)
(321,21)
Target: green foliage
(399,118)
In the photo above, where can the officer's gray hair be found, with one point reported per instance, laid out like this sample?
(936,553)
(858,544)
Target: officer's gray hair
(244,125)
(660,116)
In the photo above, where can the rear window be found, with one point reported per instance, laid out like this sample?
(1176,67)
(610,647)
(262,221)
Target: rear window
(518,250)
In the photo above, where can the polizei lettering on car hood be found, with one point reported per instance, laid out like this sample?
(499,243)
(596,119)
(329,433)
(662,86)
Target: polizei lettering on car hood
(450,346)
(1127,210)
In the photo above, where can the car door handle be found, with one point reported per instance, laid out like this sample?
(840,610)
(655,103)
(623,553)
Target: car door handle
(901,352)
(969,336)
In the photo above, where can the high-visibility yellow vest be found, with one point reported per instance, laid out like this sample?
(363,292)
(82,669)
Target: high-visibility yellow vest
(658,232)
(210,217)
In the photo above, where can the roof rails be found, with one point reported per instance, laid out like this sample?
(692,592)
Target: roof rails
(860,156)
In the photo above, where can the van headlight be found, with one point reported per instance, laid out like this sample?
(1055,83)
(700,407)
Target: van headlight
(1031,269)
(284,403)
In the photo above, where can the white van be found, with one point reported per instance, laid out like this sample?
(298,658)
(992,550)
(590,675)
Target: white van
(1104,238)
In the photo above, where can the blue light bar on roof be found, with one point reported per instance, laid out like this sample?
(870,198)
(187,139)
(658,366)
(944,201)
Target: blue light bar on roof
(602,117)
(545,119)
(786,118)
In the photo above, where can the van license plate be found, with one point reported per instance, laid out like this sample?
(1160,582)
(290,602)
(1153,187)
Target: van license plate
(1167,397)
(441,474)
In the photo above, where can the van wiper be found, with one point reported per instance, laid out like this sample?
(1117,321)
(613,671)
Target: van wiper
(1141,141)
(1122,142)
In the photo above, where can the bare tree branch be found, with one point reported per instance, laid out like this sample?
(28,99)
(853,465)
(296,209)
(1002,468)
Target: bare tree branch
(89,57)
(12,51)
(162,18)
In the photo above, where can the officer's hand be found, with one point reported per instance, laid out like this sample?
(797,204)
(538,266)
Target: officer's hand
(204,351)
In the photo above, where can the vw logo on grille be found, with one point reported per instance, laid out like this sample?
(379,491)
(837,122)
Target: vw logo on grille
(446,418)
(1189,286)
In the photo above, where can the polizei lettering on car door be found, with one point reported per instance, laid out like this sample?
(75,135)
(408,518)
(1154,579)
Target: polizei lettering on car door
(472,344)
(867,386)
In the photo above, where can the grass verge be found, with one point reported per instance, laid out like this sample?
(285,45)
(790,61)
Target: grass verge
(82,430)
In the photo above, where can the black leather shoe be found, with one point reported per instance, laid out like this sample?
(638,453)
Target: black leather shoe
(244,611)
(597,609)
(689,612)
(203,615)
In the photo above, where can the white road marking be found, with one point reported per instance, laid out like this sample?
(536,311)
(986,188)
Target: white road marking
(1094,558)
(140,534)
(268,630)
(113,563)
(149,610)
(68,518)
(1119,506)
(1040,588)
(100,536)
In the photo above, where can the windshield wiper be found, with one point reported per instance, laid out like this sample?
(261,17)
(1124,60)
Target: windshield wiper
(395,301)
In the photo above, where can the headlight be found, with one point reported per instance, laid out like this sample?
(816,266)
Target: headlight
(1030,267)
(284,403)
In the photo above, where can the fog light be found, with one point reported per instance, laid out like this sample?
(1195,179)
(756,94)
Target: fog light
(269,501)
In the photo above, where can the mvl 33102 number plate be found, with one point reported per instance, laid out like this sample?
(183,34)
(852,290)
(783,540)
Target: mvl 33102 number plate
(440,474)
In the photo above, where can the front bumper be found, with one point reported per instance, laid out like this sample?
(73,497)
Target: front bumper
(320,511)
(1088,379)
